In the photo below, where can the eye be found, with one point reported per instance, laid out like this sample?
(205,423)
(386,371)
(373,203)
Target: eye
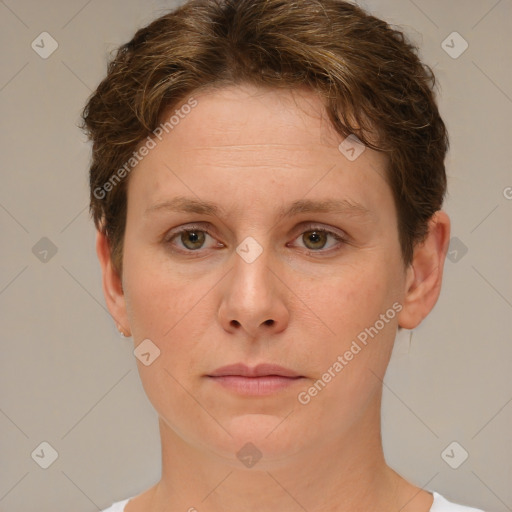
(189,239)
(316,239)
(193,238)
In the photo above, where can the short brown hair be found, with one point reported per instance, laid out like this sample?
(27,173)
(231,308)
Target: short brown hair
(368,75)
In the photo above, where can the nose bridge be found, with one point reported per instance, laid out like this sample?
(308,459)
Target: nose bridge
(252,261)
(251,298)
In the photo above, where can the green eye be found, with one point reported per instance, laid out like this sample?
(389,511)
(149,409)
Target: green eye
(192,239)
(317,238)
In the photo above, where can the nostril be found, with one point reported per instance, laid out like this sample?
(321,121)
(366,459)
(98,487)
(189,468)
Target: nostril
(269,322)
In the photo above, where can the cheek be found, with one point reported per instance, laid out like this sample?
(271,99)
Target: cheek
(357,306)
(349,364)
(168,310)
(353,297)
(159,300)
(176,314)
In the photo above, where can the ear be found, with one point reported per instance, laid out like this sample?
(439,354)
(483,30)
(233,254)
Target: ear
(112,285)
(425,273)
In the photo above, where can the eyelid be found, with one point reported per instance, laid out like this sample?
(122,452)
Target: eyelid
(313,226)
(204,227)
(199,226)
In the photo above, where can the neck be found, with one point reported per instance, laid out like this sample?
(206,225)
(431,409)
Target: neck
(346,473)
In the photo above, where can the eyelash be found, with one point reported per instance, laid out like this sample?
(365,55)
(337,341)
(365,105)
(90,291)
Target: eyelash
(310,227)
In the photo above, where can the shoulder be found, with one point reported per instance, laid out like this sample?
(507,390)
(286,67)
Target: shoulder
(441,504)
(118,506)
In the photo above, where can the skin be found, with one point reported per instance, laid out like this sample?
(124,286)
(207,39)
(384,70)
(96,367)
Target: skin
(253,151)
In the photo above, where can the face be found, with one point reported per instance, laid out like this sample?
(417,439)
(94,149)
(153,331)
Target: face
(251,239)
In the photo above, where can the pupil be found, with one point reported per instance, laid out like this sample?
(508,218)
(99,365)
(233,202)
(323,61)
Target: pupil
(192,239)
(316,238)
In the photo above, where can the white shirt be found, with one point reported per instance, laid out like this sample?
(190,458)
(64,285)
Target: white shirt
(440,504)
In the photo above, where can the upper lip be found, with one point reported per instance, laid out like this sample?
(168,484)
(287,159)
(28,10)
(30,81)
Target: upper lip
(261,370)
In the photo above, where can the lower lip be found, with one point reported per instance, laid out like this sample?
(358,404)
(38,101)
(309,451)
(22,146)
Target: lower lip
(256,386)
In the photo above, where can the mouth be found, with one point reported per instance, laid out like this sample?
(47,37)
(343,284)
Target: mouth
(261,380)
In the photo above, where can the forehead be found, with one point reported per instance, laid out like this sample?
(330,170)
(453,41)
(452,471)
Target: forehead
(251,116)
(259,139)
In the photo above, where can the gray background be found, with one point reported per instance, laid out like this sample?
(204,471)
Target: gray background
(68,379)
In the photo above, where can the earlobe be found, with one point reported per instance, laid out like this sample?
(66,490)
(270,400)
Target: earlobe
(425,273)
(112,285)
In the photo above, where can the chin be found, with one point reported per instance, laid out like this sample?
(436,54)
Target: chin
(259,441)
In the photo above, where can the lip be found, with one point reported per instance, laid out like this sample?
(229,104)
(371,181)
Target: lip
(261,370)
(260,380)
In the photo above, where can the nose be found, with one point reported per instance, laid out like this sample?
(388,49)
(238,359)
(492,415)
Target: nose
(254,298)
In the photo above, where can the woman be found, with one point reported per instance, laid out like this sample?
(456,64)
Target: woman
(267,183)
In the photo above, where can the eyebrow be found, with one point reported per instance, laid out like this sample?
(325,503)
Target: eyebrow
(182,204)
